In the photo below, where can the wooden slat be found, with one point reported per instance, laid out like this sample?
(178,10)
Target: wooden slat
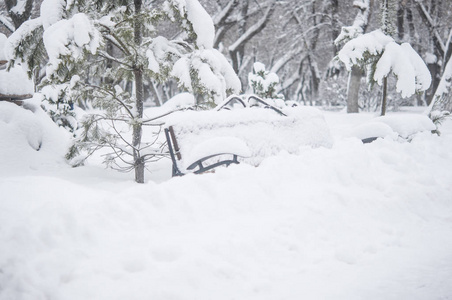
(175,144)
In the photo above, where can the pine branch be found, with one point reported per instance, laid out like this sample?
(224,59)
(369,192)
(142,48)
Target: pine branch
(114,97)
(107,56)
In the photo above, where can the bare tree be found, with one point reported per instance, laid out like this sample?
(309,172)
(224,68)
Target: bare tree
(19,11)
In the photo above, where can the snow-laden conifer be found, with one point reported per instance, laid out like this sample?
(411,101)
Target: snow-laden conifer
(263,82)
(91,50)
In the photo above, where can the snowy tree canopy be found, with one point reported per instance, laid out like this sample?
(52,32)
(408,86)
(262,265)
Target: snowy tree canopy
(409,68)
(384,56)
(71,30)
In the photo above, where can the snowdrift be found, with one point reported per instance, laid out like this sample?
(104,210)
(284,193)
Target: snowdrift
(404,126)
(352,221)
(29,138)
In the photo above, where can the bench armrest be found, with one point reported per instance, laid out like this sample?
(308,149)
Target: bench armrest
(202,168)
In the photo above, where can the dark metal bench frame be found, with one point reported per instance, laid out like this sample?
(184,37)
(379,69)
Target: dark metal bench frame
(176,155)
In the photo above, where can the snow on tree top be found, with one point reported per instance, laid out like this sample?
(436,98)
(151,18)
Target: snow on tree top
(258,67)
(59,37)
(355,50)
(20,34)
(410,70)
(15,82)
(202,24)
(201,21)
(52,11)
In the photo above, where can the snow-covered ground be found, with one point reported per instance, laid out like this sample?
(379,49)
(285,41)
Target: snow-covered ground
(355,221)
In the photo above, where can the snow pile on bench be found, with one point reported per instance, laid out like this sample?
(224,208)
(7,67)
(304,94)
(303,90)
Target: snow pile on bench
(408,124)
(401,125)
(264,132)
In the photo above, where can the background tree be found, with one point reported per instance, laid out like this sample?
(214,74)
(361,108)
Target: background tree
(297,43)
(348,33)
(19,10)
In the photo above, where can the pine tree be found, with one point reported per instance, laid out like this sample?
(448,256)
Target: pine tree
(74,40)
(263,82)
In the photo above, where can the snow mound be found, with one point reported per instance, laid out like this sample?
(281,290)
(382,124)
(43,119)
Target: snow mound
(217,145)
(182,100)
(408,124)
(15,82)
(373,129)
(391,127)
(29,138)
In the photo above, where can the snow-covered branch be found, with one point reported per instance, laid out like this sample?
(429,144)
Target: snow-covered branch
(7,23)
(428,20)
(255,29)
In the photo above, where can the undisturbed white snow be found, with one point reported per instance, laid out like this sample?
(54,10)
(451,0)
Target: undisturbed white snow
(353,221)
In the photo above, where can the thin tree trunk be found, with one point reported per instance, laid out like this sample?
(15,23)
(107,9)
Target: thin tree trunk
(139,90)
(400,19)
(385,96)
(354,82)
(335,27)
(361,20)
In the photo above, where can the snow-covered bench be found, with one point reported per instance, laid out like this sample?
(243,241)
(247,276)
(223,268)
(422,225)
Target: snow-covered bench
(395,127)
(235,132)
